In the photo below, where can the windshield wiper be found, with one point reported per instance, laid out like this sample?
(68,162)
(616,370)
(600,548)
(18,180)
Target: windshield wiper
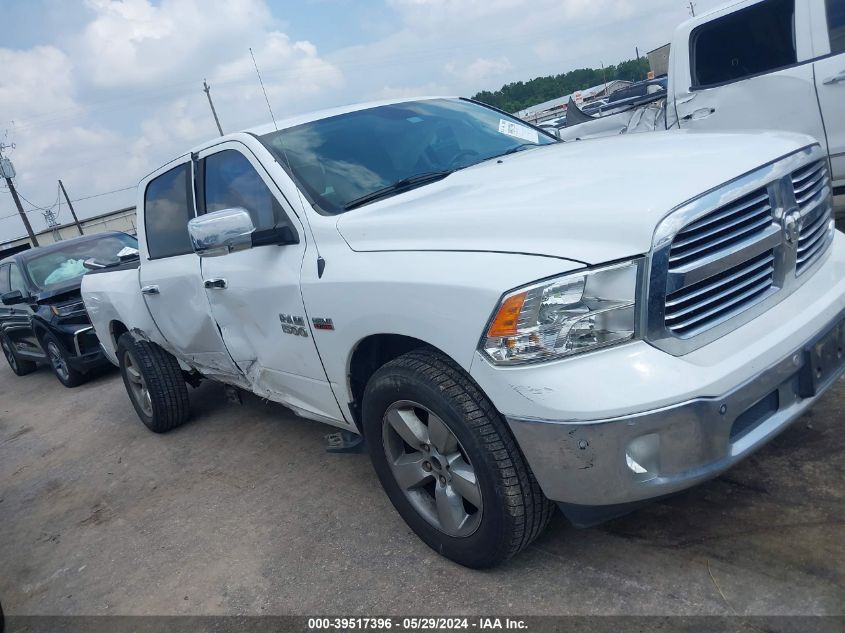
(518,148)
(397,187)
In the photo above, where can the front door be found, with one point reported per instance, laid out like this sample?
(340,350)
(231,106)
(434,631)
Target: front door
(255,294)
(830,81)
(170,277)
(17,319)
(750,69)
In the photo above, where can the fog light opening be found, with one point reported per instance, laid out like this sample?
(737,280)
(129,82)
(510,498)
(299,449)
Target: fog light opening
(634,466)
(641,456)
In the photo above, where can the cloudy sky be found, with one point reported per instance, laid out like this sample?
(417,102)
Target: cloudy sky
(100,92)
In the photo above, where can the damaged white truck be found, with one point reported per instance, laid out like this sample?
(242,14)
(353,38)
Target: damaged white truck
(749,65)
(506,324)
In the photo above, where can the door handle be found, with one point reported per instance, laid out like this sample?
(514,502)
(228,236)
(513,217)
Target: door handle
(835,79)
(701,113)
(218,284)
(150,290)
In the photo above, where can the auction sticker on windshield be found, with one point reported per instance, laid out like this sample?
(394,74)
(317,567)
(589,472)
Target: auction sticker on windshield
(519,131)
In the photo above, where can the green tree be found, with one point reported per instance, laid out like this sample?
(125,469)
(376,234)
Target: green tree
(519,95)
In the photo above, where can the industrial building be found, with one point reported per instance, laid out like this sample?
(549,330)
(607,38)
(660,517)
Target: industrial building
(119,220)
(557,107)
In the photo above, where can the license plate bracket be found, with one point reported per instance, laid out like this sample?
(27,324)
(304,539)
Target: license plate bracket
(824,358)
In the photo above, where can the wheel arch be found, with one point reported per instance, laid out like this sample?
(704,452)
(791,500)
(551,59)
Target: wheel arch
(369,354)
(41,329)
(116,330)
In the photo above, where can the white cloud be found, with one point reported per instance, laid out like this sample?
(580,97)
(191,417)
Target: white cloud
(35,82)
(125,94)
(131,42)
(102,106)
(480,69)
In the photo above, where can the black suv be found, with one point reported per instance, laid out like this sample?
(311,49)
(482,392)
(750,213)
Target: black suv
(42,317)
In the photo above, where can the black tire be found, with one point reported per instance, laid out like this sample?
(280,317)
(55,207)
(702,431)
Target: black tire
(19,366)
(515,511)
(58,359)
(168,405)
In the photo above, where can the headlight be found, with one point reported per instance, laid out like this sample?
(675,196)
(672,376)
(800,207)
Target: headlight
(68,309)
(567,315)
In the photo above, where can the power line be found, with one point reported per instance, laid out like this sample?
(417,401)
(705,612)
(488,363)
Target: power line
(36,207)
(105,193)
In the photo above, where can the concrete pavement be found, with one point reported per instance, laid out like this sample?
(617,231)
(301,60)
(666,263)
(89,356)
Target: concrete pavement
(241,511)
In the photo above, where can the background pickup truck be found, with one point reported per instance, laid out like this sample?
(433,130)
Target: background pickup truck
(755,64)
(504,338)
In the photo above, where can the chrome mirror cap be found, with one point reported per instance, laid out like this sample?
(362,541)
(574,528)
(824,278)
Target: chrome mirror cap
(221,232)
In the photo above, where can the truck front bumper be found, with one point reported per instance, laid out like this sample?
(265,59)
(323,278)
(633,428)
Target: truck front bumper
(609,430)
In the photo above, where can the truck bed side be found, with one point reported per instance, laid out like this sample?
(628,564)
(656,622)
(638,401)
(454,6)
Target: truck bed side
(115,304)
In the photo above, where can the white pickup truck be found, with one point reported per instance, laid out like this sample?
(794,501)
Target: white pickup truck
(508,320)
(751,65)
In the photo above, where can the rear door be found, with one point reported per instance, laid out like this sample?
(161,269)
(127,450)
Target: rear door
(750,68)
(255,294)
(830,80)
(170,275)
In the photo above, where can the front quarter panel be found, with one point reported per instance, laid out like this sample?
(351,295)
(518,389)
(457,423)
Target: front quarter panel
(444,299)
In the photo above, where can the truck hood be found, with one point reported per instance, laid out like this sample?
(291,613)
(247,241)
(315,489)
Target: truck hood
(60,292)
(588,201)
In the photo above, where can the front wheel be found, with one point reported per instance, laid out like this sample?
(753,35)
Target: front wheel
(66,374)
(154,382)
(448,462)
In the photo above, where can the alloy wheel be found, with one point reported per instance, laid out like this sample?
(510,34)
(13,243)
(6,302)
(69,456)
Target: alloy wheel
(58,361)
(432,468)
(137,385)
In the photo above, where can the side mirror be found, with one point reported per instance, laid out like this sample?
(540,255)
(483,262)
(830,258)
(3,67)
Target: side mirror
(13,298)
(221,232)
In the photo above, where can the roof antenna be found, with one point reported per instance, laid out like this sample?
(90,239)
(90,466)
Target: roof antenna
(263,89)
(321,263)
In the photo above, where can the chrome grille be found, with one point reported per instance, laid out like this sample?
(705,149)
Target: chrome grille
(693,308)
(743,219)
(811,185)
(733,253)
(809,182)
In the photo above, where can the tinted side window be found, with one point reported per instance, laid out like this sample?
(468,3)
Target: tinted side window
(750,42)
(231,181)
(16,281)
(836,25)
(167,209)
(4,279)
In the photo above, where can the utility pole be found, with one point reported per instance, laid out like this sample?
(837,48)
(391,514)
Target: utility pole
(25,219)
(70,206)
(207,91)
(692,8)
(604,75)
(8,172)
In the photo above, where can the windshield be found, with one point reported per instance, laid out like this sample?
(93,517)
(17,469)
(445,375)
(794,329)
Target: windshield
(59,266)
(343,159)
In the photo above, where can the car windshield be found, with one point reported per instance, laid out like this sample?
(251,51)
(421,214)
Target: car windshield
(59,266)
(341,161)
